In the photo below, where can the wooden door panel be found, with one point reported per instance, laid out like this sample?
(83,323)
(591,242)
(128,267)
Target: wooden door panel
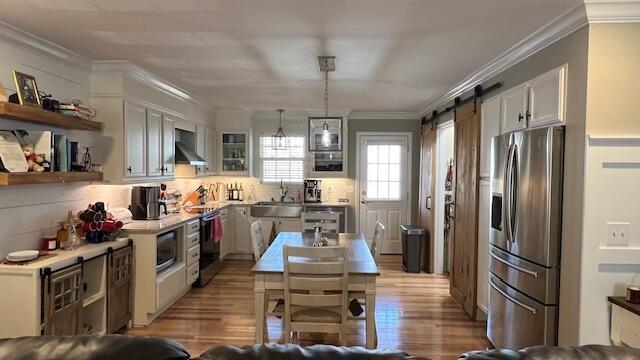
(63,302)
(120,286)
(427,186)
(465,222)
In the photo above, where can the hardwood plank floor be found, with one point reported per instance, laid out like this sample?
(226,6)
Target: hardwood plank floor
(414,314)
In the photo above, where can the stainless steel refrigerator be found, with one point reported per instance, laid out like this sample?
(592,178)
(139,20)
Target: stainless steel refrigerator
(524,240)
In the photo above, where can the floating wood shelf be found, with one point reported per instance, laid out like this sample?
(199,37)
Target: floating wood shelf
(39,116)
(48,177)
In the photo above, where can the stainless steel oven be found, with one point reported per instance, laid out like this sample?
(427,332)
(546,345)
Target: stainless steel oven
(209,246)
(167,250)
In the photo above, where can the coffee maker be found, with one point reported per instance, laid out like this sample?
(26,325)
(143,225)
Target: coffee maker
(145,203)
(312,191)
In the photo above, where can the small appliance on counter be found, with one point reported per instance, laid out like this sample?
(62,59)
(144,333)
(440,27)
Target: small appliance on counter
(312,191)
(145,203)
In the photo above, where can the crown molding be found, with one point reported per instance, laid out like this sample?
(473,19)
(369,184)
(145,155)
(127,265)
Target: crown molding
(142,75)
(612,11)
(382,115)
(39,46)
(555,30)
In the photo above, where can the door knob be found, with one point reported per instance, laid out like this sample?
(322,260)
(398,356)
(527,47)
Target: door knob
(363,201)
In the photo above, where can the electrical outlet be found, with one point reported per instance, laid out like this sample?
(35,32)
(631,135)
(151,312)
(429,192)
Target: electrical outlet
(618,234)
(350,188)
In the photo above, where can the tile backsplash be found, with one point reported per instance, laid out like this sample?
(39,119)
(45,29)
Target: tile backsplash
(29,212)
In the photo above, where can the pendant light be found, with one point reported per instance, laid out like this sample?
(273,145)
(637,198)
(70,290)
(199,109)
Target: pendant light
(326,136)
(279,139)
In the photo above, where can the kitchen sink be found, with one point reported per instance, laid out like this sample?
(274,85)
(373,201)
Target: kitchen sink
(276,209)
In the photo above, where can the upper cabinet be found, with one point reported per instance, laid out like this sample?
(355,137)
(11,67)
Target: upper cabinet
(201,170)
(514,107)
(169,145)
(155,165)
(210,151)
(538,102)
(547,97)
(490,127)
(135,138)
(234,150)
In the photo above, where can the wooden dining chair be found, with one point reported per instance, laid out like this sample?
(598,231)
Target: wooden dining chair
(259,247)
(330,222)
(379,235)
(315,290)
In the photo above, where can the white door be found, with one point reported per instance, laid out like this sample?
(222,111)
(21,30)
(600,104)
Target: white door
(383,177)
(154,142)
(135,130)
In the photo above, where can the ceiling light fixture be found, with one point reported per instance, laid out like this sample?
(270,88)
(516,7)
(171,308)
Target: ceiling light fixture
(279,139)
(326,64)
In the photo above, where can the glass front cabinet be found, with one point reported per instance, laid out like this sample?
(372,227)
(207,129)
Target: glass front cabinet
(234,150)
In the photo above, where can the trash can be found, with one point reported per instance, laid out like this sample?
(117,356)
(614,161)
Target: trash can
(412,247)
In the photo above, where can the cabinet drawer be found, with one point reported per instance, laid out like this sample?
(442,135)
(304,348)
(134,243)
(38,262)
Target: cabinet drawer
(193,227)
(169,285)
(193,255)
(192,273)
(193,239)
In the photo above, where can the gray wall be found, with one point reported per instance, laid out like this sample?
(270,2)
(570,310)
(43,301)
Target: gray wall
(397,125)
(571,50)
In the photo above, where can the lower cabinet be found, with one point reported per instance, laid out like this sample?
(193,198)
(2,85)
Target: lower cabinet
(226,221)
(271,227)
(242,238)
(91,297)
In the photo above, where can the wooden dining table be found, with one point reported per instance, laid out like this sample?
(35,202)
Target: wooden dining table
(363,271)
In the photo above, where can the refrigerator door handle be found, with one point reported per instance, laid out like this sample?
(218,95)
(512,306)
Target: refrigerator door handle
(513,190)
(507,194)
(514,266)
(513,300)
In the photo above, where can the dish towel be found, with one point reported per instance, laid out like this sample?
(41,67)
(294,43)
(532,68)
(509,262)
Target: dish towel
(216,229)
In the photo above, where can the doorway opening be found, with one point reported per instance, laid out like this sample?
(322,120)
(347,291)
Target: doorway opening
(444,168)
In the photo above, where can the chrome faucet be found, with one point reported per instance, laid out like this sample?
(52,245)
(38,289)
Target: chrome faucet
(283,192)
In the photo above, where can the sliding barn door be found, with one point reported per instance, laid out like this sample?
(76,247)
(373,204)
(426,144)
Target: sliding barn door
(465,211)
(427,189)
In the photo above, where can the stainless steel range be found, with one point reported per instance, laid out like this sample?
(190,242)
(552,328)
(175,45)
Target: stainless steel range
(209,246)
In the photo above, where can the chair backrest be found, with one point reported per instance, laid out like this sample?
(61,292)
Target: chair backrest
(330,222)
(257,240)
(379,235)
(316,277)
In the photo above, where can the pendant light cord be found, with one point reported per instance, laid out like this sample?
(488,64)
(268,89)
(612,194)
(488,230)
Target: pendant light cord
(326,93)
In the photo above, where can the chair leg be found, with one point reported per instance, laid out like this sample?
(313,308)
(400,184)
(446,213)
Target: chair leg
(287,333)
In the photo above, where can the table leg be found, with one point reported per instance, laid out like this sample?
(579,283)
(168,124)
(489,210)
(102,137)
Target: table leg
(260,308)
(370,308)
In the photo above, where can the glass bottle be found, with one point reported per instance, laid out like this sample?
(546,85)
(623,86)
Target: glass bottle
(62,235)
(240,193)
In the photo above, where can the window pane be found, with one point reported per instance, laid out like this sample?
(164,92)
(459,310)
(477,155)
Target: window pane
(372,172)
(394,190)
(383,190)
(383,172)
(286,164)
(372,154)
(394,154)
(372,190)
(383,154)
(394,172)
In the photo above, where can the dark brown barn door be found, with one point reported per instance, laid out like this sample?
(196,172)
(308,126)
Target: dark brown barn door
(465,211)
(427,187)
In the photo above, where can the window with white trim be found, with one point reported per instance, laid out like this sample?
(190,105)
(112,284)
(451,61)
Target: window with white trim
(285,165)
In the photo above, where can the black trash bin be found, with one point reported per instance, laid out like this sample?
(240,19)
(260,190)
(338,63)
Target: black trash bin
(412,247)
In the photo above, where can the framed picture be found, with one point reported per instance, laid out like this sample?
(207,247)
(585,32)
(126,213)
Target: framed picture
(27,89)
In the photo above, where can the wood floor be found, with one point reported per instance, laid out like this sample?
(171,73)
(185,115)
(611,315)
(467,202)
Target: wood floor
(414,314)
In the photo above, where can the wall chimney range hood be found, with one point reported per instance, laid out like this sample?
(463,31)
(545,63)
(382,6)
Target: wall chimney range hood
(185,143)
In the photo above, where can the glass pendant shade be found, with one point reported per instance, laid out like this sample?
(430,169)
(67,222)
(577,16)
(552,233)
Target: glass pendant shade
(279,139)
(326,137)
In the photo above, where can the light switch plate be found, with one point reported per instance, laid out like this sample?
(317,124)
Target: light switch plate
(350,188)
(618,234)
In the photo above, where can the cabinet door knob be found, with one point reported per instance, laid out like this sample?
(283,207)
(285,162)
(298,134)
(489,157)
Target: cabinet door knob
(129,169)
(528,114)
(520,117)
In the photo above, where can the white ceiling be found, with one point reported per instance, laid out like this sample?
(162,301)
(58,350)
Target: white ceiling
(392,55)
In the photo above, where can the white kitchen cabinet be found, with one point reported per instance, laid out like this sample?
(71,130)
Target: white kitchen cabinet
(546,98)
(234,149)
(484,213)
(135,139)
(201,170)
(242,240)
(168,145)
(490,127)
(210,151)
(514,108)
(228,232)
(154,143)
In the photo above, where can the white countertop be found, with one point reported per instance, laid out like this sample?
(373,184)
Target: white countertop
(64,258)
